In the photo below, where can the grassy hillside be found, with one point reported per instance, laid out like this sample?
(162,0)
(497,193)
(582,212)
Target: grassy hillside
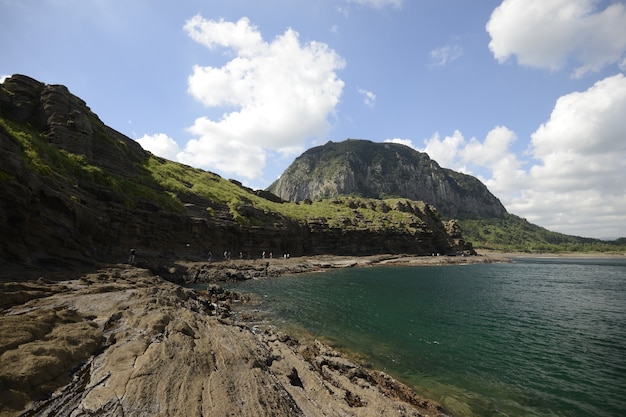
(513,234)
(170,185)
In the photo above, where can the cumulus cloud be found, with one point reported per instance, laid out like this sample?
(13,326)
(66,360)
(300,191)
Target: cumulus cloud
(231,156)
(446,151)
(277,95)
(369,98)
(550,33)
(574,178)
(582,154)
(405,142)
(490,159)
(160,144)
(379,4)
(444,55)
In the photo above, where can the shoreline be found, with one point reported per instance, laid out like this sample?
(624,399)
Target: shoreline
(123,340)
(192,271)
(573,255)
(243,269)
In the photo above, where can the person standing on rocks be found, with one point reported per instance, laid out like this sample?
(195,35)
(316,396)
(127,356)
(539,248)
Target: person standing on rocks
(131,257)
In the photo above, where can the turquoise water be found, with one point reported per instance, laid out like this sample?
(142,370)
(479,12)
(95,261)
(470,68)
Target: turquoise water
(537,337)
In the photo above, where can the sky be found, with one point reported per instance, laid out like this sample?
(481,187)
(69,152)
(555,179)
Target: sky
(527,95)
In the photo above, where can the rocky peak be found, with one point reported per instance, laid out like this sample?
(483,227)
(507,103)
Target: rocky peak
(380,170)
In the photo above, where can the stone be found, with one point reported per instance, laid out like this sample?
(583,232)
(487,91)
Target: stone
(122,341)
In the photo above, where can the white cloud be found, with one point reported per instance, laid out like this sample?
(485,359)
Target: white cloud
(369,98)
(378,4)
(240,35)
(575,182)
(278,94)
(548,33)
(582,149)
(230,156)
(3,77)
(160,144)
(444,55)
(405,142)
(490,160)
(446,151)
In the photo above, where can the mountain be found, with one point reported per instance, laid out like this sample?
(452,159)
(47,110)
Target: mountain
(75,191)
(380,170)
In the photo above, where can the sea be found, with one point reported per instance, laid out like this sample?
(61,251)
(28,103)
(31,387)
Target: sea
(535,337)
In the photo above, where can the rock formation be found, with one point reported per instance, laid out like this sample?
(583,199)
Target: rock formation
(123,342)
(78,192)
(379,170)
(82,334)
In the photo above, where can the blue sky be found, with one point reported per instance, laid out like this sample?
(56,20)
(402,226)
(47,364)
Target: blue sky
(527,95)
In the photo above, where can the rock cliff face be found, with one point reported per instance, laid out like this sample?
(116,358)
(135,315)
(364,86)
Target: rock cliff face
(74,190)
(378,170)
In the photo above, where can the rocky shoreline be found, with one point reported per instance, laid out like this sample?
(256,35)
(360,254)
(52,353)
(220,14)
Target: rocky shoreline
(186,272)
(125,341)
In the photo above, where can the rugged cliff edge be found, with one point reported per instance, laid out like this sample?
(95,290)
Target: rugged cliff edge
(76,191)
(123,341)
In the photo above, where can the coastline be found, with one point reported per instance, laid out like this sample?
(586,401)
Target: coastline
(573,255)
(123,340)
(242,269)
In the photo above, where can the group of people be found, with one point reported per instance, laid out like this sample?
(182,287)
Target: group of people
(228,255)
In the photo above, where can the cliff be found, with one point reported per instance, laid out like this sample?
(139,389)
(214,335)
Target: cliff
(85,333)
(380,170)
(78,192)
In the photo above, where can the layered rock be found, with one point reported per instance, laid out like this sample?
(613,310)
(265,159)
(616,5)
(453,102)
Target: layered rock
(79,192)
(126,342)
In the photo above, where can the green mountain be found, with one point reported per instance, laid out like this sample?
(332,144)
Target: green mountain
(74,190)
(379,170)
(513,233)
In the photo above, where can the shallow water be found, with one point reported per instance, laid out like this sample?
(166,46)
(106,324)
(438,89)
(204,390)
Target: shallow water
(537,337)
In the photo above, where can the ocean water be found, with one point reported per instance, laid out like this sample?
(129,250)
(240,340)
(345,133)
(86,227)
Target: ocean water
(536,337)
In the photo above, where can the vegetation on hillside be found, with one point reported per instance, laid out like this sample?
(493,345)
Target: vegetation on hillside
(515,234)
(48,160)
(382,170)
(167,185)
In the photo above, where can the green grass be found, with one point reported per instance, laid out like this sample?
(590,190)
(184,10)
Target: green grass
(48,160)
(167,184)
(515,234)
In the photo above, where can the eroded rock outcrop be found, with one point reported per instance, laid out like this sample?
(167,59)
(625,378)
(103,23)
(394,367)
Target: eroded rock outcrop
(126,342)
